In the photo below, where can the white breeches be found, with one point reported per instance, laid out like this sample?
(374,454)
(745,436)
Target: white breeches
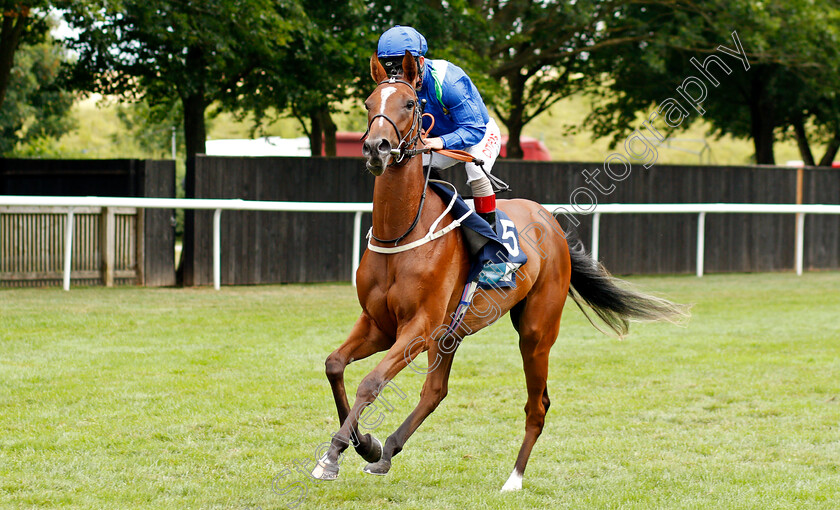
(486,150)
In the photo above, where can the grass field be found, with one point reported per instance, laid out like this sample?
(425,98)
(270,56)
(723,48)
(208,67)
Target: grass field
(191,398)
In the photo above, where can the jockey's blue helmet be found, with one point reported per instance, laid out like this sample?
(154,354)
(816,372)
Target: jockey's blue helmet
(396,40)
(394,43)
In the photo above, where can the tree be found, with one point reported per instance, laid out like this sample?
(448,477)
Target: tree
(22,21)
(524,56)
(813,114)
(319,68)
(152,126)
(539,52)
(789,47)
(35,106)
(195,52)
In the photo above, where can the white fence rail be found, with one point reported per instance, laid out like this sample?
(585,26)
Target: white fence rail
(219,205)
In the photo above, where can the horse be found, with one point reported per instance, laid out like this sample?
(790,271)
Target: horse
(407,292)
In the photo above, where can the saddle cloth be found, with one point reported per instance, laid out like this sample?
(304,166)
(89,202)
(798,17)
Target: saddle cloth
(496,255)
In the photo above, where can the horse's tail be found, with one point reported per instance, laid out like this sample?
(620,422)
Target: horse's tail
(614,300)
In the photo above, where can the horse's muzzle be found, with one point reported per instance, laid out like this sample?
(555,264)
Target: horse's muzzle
(377,152)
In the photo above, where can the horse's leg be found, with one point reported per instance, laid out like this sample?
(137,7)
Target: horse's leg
(434,391)
(364,339)
(538,324)
(404,350)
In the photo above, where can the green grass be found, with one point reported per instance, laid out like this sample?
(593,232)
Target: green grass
(191,398)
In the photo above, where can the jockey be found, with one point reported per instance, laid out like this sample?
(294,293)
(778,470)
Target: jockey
(461,119)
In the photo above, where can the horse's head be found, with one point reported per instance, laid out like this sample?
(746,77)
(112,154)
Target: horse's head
(393,115)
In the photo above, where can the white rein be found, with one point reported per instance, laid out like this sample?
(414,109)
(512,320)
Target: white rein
(431,235)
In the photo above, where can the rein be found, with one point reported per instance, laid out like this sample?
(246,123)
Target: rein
(403,149)
(431,235)
(406,149)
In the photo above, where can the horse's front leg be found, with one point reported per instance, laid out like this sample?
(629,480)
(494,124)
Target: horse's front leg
(365,339)
(404,350)
(435,388)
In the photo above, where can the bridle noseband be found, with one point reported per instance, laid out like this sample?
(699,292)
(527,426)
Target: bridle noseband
(405,148)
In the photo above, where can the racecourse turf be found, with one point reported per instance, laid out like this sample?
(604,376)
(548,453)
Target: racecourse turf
(191,398)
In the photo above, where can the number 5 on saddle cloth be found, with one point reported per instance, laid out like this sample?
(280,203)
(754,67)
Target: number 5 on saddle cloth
(496,255)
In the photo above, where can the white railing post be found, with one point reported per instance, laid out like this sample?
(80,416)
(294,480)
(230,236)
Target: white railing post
(701,242)
(596,235)
(68,248)
(357,234)
(217,249)
(800,242)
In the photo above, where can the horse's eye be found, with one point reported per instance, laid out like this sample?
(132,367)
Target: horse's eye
(410,104)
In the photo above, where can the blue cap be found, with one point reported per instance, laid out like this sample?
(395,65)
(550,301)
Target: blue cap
(396,40)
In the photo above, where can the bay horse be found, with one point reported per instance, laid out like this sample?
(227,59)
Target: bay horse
(408,292)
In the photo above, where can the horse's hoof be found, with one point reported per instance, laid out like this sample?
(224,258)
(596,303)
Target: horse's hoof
(325,470)
(375,452)
(380,468)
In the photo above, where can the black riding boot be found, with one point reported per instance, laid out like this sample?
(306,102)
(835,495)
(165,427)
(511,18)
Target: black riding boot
(490,218)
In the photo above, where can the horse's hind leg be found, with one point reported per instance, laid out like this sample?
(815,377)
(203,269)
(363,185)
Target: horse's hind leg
(538,324)
(364,340)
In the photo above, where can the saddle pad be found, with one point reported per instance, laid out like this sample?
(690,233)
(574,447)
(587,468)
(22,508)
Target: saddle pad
(501,255)
(496,268)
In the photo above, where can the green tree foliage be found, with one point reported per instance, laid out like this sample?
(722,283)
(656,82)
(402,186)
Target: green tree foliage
(320,66)
(23,21)
(524,56)
(152,126)
(167,50)
(792,52)
(812,108)
(35,106)
(539,52)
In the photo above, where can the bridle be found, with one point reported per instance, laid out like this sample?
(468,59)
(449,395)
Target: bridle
(405,148)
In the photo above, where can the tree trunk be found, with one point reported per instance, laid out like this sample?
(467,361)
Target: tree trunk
(763,143)
(762,122)
(514,146)
(195,135)
(329,131)
(831,150)
(194,138)
(13,25)
(515,121)
(802,141)
(316,133)
(195,131)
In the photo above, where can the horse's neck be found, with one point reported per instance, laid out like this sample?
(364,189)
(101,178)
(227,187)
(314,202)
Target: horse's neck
(396,197)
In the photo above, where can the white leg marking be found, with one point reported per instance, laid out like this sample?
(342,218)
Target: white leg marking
(514,483)
(318,472)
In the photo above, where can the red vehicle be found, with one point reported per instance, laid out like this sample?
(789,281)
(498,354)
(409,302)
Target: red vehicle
(532,148)
(350,145)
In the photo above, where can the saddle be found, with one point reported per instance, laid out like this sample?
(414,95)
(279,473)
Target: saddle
(495,254)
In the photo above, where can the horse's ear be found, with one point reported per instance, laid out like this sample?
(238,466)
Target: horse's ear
(409,68)
(377,72)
